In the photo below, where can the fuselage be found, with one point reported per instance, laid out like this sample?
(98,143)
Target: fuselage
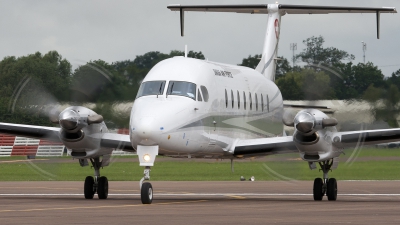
(197,108)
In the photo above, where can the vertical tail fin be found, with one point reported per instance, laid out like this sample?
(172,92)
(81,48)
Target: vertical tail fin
(267,63)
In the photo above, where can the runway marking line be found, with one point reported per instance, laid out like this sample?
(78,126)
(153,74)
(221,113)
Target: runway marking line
(201,194)
(22,160)
(39,188)
(236,196)
(133,190)
(95,207)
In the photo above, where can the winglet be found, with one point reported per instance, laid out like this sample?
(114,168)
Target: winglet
(182,16)
(378,23)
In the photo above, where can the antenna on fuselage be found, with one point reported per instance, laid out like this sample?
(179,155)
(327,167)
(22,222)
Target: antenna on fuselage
(185,51)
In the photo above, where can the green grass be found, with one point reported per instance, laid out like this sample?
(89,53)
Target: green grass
(275,168)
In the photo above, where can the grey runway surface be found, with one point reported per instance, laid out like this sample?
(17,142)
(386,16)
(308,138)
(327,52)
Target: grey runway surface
(259,202)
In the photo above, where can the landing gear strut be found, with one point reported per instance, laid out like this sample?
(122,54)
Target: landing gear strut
(146,190)
(325,186)
(97,183)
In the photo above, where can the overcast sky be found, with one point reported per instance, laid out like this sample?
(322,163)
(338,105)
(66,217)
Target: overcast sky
(118,30)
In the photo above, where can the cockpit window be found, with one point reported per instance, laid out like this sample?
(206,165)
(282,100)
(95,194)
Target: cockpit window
(199,96)
(151,88)
(182,88)
(205,93)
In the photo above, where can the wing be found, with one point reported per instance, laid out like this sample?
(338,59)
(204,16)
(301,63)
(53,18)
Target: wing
(366,137)
(117,141)
(280,145)
(265,146)
(108,140)
(29,131)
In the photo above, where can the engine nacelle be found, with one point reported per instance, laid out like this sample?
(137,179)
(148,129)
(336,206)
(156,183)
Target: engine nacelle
(81,132)
(313,136)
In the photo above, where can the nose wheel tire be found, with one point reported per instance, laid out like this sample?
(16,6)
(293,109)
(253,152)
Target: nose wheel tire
(102,188)
(331,191)
(146,193)
(318,192)
(88,188)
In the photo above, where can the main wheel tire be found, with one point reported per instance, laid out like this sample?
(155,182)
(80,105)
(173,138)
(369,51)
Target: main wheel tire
(317,190)
(332,189)
(88,188)
(146,193)
(102,188)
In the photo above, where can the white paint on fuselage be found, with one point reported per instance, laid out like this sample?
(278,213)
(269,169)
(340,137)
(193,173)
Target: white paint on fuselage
(181,125)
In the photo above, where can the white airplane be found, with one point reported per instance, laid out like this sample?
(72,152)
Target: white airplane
(191,108)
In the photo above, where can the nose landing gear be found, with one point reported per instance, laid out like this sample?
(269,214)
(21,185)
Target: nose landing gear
(146,190)
(147,156)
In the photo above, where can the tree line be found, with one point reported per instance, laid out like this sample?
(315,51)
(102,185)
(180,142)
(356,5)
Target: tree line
(29,83)
(329,73)
(329,69)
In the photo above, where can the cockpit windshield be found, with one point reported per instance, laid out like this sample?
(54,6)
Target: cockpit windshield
(182,88)
(151,88)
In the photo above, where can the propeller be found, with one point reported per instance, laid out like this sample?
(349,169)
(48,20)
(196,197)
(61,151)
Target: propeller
(31,98)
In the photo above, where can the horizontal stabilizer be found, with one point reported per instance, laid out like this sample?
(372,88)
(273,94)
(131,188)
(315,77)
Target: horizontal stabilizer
(289,9)
(305,106)
(284,9)
(307,9)
(263,8)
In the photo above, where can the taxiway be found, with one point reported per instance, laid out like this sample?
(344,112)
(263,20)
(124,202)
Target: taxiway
(246,202)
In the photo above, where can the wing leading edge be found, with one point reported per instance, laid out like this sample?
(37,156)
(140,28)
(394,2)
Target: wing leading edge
(29,131)
(280,145)
(265,146)
(108,140)
(367,137)
(117,141)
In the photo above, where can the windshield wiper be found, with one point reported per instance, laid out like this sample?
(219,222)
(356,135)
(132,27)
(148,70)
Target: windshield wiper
(159,90)
(170,90)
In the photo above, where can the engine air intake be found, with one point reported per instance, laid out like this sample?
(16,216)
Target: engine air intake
(306,140)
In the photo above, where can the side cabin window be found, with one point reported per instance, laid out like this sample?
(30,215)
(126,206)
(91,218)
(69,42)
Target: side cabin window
(151,88)
(226,99)
(182,88)
(251,102)
(205,93)
(233,99)
(262,103)
(199,96)
(255,95)
(244,100)
(238,99)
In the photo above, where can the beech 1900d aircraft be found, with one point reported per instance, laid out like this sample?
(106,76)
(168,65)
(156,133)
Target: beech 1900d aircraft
(197,108)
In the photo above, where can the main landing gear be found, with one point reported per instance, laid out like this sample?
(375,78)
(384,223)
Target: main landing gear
(325,186)
(146,190)
(97,183)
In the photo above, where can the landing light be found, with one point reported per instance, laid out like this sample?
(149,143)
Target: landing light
(146,157)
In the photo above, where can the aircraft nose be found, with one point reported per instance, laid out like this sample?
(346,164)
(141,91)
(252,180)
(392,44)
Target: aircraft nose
(143,128)
(145,131)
